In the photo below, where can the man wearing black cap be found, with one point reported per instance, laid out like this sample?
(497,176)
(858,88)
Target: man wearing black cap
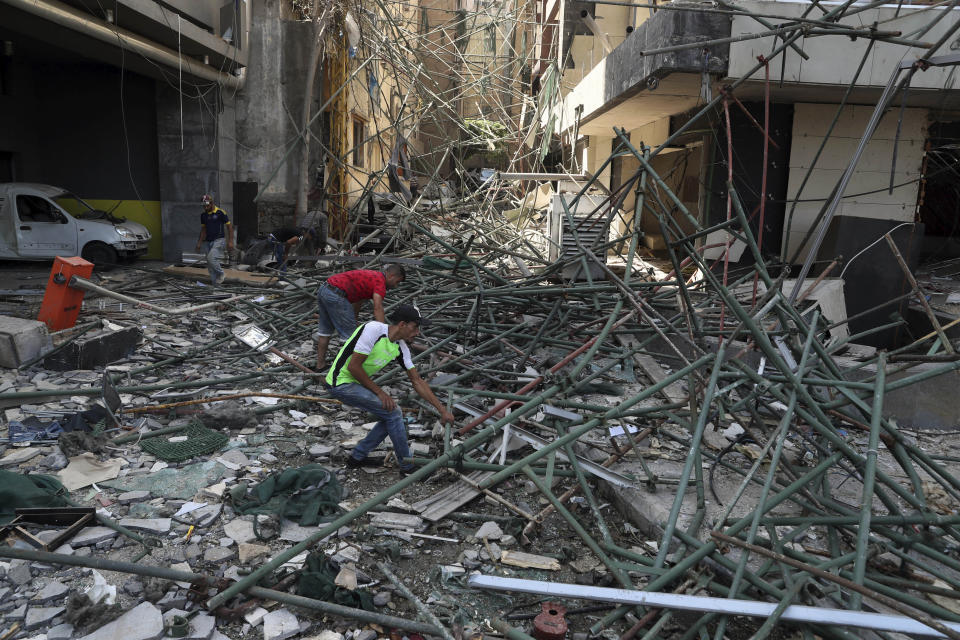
(215,232)
(370,348)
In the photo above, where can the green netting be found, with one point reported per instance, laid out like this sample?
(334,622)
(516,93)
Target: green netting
(200,441)
(22,491)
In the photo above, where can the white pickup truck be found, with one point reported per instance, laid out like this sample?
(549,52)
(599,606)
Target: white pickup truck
(40,222)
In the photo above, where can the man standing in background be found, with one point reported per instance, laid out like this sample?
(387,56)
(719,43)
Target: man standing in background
(215,231)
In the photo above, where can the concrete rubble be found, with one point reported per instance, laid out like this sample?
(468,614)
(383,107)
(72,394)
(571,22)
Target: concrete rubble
(454,522)
(628,424)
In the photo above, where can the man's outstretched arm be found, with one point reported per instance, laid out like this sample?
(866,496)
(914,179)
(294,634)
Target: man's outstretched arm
(378,313)
(424,391)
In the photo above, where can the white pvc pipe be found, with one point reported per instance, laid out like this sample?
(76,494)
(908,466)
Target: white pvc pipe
(82,283)
(793,613)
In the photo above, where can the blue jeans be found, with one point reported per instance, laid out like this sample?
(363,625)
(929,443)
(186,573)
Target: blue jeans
(390,423)
(334,313)
(214,253)
(279,249)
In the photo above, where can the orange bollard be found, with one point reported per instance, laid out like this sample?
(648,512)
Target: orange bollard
(61,303)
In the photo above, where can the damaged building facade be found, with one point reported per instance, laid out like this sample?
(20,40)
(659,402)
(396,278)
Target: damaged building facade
(682,273)
(784,135)
(94,101)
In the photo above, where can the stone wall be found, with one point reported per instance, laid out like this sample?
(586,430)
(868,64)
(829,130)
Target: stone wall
(268,107)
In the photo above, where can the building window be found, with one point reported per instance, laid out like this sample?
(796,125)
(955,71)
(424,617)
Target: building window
(359,135)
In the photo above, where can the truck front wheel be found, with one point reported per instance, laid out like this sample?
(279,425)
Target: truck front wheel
(102,255)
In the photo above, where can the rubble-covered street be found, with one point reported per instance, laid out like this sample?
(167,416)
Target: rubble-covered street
(475,320)
(605,472)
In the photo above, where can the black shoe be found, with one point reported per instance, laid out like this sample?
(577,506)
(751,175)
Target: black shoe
(353,463)
(407,472)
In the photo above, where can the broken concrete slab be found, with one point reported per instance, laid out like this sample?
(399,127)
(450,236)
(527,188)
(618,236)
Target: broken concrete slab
(143,622)
(234,456)
(133,496)
(155,526)
(92,535)
(214,491)
(60,632)
(489,531)
(18,456)
(22,340)
(201,626)
(255,617)
(53,591)
(249,552)
(219,554)
(19,572)
(279,625)
(290,531)
(320,450)
(93,350)
(240,529)
(204,516)
(17,614)
(39,616)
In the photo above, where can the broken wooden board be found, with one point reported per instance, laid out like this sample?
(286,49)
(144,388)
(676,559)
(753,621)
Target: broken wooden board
(230,275)
(529,561)
(672,392)
(388,520)
(451,498)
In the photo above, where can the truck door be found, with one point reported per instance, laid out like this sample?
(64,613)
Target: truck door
(43,230)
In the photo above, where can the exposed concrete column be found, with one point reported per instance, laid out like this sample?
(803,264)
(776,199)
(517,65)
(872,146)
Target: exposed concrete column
(267,107)
(598,150)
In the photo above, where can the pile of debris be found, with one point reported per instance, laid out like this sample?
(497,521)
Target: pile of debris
(625,442)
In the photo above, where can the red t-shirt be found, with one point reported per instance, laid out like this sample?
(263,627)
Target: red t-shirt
(360,284)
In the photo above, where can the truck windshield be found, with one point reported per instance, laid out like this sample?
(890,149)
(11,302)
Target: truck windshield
(75,206)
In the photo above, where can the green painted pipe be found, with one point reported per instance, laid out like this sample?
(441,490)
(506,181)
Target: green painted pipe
(695,440)
(467,446)
(165,573)
(473,465)
(559,507)
(869,479)
(768,480)
(580,430)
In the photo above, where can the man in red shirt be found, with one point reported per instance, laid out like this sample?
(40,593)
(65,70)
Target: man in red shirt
(340,298)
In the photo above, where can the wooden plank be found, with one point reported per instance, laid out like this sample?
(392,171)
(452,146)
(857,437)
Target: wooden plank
(389,520)
(451,498)
(230,275)
(653,370)
(529,561)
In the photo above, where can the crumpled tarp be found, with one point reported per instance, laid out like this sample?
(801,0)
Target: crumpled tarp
(317,581)
(308,495)
(29,491)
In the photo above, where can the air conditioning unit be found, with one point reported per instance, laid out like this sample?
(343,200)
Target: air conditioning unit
(592,228)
